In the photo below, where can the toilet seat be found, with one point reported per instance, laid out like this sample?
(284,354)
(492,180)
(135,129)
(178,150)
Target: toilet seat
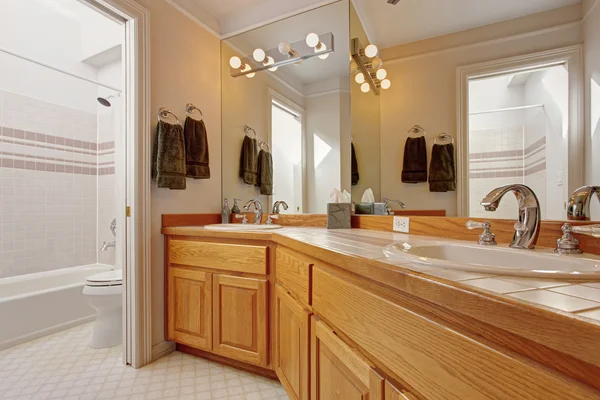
(110,278)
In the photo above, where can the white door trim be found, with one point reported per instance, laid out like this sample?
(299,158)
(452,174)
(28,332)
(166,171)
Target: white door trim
(134,185)
(573,57)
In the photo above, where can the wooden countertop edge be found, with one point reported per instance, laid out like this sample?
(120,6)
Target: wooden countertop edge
(560,331)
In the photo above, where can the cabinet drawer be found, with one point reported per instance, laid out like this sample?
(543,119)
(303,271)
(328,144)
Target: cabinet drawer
(220,256)
(293,271)
(435,361)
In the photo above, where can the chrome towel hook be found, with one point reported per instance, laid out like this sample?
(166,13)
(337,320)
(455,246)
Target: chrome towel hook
(164,112)
(190,108)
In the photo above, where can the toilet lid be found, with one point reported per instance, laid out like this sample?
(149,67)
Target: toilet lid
(110,278)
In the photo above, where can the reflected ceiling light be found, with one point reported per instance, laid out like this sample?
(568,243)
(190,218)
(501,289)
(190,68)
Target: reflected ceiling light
(235,62)
(321,48)
(365,87)
(259,55)
(285,48)
(381,74)
(359,78)
(386,83)
(250,75)
(312,39)
(371,51)
(376,63)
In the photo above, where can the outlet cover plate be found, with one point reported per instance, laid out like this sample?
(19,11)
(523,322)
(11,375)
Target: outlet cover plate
(401,224)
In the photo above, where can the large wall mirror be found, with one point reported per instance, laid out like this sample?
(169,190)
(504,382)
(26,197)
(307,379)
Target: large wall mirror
(433,103)
(513,86)
(286,92)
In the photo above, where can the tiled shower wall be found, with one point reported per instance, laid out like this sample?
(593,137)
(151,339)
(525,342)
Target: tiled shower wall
(50,185)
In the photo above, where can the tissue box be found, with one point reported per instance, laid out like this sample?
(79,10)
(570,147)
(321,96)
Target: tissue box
(365,208)
(338,215)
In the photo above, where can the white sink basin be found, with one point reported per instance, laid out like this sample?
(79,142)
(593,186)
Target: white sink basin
(497,260)
(241,227)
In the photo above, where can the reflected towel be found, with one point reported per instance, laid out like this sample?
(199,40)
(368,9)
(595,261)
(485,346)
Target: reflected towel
(442,171)
(354,166)
(196,149)
(168,156)
(265,173)
(249,161)
(415,160)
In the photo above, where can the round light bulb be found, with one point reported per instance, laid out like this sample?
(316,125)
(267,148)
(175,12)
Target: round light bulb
(235,62)
(268,61)
(381,74)
(246,68)
(376,63)
(324,56)
(386,83)
(320,48)
(359,78)
(312,39)
(371,51)
(284,48)
(259,55)
(273,69)
(365,87)
(251,75)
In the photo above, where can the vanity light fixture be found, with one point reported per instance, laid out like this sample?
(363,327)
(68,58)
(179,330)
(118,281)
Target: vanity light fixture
(286,53)
(370,75)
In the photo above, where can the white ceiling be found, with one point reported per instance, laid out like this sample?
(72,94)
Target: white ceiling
(412,20)
(228,17)
(333,18)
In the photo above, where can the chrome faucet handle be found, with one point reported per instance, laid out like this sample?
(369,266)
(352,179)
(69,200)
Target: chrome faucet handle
(589,230)
(271,218)
(567,244)
(388,209)
(487,238)
(240,216)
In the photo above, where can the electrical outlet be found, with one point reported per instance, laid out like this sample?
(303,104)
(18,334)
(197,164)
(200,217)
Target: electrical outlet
(401,224)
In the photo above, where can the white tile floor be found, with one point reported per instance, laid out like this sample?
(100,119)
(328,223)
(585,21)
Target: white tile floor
(63,366)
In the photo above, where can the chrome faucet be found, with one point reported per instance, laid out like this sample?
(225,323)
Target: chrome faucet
(527,229)
(387,208)
(275,214)
(106,245)
(578,208)
(258,210)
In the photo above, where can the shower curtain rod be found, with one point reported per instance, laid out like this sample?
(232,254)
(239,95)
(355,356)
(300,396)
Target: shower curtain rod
(58,70)
(507,109)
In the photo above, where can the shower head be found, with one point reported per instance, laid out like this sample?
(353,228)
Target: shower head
(104,100)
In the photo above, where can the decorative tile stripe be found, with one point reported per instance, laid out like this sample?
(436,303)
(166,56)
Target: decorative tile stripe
(55,167)
(56,140)
(509,153)
(7,153)
(504,173)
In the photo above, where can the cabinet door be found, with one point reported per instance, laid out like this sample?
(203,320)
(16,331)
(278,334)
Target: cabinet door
(337,371)
(240,318)
(190,308)
(292,337)
(392,393)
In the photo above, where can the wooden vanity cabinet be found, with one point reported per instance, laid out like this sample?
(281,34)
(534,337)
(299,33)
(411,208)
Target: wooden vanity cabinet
(240,318)
(337,371)
(189,302)
(291,361)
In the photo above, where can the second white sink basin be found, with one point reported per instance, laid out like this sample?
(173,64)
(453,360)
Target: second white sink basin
(241,227)
(497,260)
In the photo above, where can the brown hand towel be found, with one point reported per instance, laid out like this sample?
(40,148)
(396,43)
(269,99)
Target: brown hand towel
(354,166)
(415,160)
(442,171)
(196,149)
(249,161)
(265,173)
(168,156)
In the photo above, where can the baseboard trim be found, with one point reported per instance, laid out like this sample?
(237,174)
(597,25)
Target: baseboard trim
(162,349)
(45,332)
(267,373)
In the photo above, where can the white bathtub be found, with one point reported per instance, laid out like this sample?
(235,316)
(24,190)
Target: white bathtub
(36,305)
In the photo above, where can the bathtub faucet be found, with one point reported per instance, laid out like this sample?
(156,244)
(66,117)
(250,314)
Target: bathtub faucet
(106,245)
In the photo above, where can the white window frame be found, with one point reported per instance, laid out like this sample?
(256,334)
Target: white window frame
(572,57)
(278,97)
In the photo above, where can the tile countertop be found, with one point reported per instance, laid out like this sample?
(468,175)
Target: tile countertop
(579,299)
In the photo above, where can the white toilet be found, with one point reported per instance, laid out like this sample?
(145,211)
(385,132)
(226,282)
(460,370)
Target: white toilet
(103,292)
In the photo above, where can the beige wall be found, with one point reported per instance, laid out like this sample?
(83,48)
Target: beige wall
(246,101)
(591,31)
(365,126)
(424,92)
(184,67)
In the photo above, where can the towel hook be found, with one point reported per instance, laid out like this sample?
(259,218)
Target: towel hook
(164,112)
(261,143)
(443,136)
(247,129)
(416,129)
(190,108)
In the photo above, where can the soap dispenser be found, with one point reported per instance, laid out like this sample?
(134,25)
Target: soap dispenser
(225,212)
(236,208)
